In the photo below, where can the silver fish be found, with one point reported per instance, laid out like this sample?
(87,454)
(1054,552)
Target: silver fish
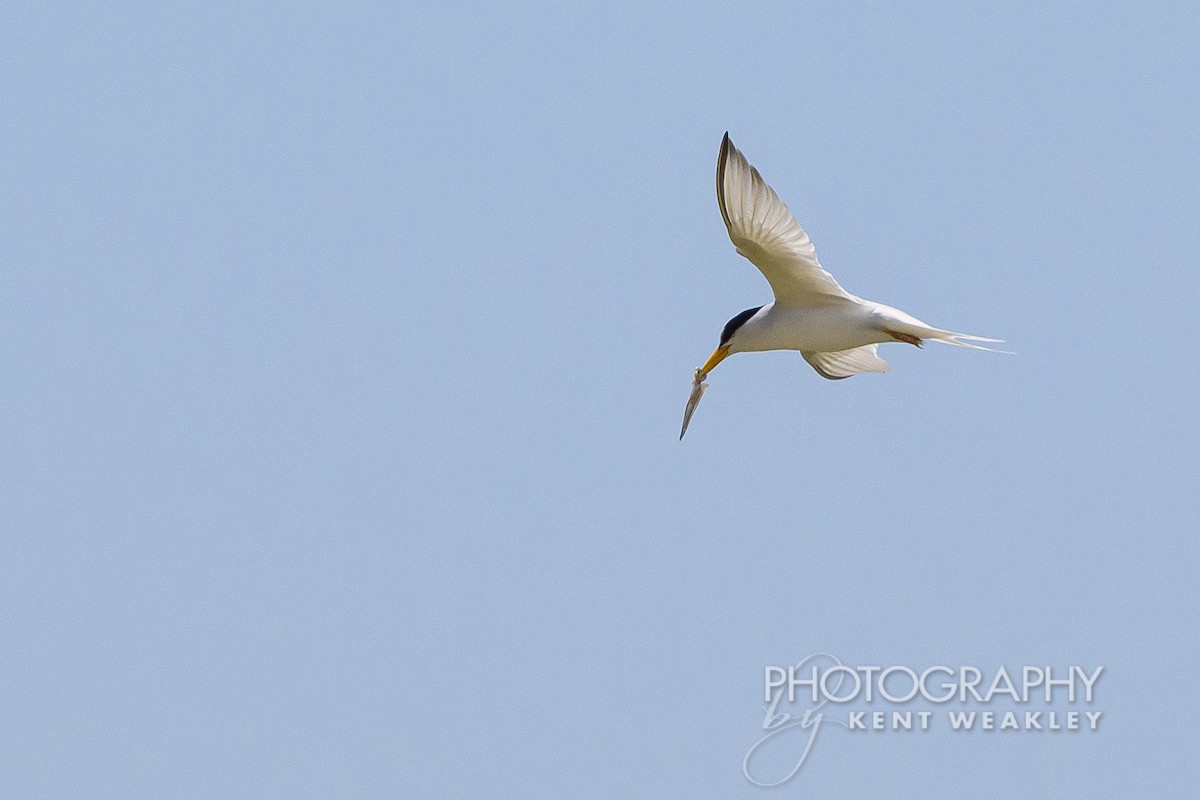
(698,387)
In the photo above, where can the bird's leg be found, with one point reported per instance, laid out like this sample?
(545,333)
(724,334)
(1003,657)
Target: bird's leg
(903,337)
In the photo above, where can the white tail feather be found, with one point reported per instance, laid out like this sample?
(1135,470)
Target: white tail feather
(946,337)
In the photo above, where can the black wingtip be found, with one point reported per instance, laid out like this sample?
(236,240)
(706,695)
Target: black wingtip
(722,157)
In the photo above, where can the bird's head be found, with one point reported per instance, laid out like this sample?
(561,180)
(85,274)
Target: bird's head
(726,345)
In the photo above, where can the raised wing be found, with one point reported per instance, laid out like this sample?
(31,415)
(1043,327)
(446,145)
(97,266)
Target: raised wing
(764,231)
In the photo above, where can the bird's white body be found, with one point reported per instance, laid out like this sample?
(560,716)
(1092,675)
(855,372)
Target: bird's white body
(816,329)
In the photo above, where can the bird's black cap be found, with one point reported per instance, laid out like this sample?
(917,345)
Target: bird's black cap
(737,322)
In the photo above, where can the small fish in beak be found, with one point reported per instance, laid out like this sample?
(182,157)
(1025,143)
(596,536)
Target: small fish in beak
(698,387)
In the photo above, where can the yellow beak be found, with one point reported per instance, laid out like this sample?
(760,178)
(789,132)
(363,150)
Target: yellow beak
(716,358)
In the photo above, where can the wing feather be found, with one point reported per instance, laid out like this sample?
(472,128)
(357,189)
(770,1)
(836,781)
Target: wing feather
(844,363)
(765,232)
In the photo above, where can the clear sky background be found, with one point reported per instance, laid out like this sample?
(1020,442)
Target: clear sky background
(344,349)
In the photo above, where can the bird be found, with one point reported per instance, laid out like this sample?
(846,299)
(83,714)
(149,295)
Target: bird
(836,332)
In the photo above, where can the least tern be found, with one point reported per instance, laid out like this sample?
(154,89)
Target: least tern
(836,332)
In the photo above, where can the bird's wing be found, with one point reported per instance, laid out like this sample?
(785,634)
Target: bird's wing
(764,231)
(844,363)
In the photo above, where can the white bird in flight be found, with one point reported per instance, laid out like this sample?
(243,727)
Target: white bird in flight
(836,332)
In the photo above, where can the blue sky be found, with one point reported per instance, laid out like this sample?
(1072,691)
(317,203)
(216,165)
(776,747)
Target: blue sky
(345,350)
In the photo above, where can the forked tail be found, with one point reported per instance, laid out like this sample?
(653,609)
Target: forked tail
(964,340)
(896,321)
